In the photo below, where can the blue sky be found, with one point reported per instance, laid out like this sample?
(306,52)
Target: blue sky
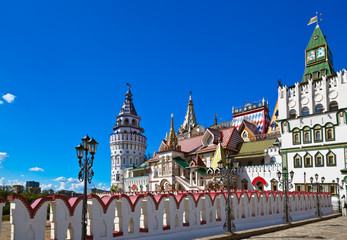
(67,62)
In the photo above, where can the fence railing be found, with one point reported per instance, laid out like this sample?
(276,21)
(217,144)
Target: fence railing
(145,214)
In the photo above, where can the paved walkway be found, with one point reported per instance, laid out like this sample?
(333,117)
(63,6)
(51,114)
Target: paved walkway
(333,229)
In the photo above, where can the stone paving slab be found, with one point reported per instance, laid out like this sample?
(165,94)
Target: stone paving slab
(332,229)
(328,227)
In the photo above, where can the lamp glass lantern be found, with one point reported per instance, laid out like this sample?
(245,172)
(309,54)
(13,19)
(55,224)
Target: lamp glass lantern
(85,141)
(92,146)
(80,151)
(220,164)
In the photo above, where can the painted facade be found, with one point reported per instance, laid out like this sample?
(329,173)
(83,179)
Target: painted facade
(127,144)
(312,121)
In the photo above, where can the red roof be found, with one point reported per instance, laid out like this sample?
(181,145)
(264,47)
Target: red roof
(230,138)
(190,144)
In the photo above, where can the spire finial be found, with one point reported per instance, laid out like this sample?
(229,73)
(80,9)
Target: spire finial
(128,84)
(172,139)
(215,119)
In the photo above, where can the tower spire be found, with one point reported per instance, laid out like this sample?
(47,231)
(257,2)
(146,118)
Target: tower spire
(128,105)
(190,119)
(172,139)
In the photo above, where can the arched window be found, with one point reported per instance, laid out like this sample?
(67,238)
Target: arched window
(308,160)
(126,121)
(134,122)
(296,136)
(297,161)
(274,184)
(305,111)
(319,108)
(209,140)
(319,160)
(331,159)
(329,132)
(292,113)
(307,135)
(244,134)
(318,133)
(333,106)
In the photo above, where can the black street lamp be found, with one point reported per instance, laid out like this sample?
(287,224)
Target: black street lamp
(227,174)
(318,185)
(338,187)
(86,173)
(286,184)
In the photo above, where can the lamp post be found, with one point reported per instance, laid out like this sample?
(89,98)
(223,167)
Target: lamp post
(318,191)
(227,174)
(86,173)
(338,187)
(286,184)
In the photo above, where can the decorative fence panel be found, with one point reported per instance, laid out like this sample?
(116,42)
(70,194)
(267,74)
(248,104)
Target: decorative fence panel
(147,214)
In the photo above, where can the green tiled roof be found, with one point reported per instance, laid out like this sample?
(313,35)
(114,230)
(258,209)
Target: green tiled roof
(255,146)
(182,163)
(142,166)
(202,171)
(317,68)
(318,41)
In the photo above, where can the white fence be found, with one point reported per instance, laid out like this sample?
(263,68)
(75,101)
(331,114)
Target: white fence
(124,216)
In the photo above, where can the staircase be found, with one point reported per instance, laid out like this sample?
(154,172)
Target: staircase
(184,183)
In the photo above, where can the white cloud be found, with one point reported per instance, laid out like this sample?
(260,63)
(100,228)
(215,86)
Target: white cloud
(22,175)
(71,184)
(36,169)
(46,186)
(5,182)
(1,102)
(15,182)
(2,181)
(64,179)
(103,186)
(9,97)
(60,179)
(3,157)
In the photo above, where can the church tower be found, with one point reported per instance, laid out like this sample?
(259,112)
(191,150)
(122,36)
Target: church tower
(190,127)
(319,58)
(127,144)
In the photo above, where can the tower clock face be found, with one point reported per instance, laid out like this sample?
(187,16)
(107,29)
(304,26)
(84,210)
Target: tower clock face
(311,56)
(321,52)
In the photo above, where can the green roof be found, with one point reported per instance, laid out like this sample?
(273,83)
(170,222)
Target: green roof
(182,163)
(201,171)
(317,68)
(317,39)
(250,148)
(142,166)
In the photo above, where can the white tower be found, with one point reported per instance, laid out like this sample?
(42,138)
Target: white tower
(127,144)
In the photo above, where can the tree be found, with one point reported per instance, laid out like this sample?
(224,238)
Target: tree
(115,188)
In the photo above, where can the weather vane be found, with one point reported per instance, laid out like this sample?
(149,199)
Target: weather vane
(315,19)
(128,84)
